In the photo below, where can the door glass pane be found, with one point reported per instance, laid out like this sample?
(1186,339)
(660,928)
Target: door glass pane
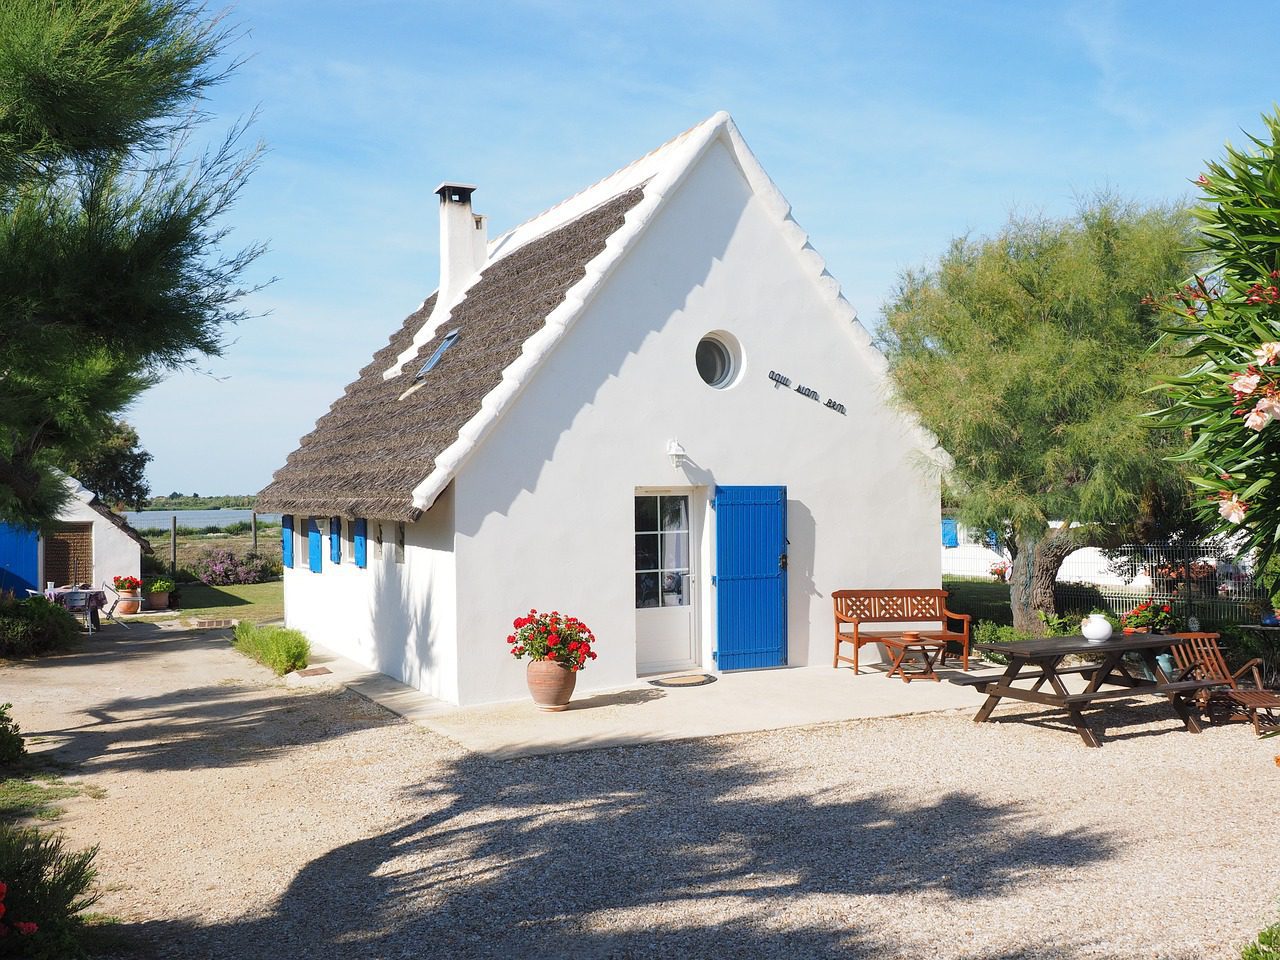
(675,588)
(646,514)
(646,551)
(675,513)
(646,589)
(675,551)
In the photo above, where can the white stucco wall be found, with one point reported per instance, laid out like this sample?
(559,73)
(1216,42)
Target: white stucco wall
(544,507)
(396,618)
(115,553)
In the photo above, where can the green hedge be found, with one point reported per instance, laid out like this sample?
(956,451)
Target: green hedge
(34,626)
(280,649)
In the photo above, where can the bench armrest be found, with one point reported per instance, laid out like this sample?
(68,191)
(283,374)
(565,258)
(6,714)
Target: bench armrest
(948,615)
(1253,665)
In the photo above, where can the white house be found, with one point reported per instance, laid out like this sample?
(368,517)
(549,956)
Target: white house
(649,407)
(87,544)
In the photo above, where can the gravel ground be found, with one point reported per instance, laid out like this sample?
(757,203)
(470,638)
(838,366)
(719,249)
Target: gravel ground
(243,818)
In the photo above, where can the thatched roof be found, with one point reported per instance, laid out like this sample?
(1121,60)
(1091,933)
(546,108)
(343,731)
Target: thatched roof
(377,443)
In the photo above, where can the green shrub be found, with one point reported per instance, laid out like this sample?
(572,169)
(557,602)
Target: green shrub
(153,566)
(33,626)
(275,647)
(987,631)
(1266,947)
(47,887)
(11,747)
(159,585)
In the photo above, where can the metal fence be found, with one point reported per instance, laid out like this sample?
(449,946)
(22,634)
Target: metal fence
(1208,581)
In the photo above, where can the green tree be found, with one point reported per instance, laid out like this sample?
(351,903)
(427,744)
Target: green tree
(1027,354)
(115,468)
(113,266)
(1228,323)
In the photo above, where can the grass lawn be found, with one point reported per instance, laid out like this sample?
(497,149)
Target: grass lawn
(985,599)
(30,789)
(258,602)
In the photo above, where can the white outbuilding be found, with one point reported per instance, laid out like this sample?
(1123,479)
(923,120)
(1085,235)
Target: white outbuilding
(88,543)
(649,407)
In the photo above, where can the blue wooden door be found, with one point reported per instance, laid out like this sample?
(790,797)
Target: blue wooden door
(19,559)
(751,577)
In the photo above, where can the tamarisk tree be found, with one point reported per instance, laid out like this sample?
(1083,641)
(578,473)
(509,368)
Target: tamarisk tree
(1027,354)
(1228,323)
(112,262)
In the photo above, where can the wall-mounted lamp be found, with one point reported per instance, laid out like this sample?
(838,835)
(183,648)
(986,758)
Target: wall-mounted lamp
(676,453)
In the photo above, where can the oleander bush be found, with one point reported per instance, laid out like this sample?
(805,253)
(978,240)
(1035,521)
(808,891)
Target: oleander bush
(276,647)
(221,567)
(33,626)
(45,889)
(11,747)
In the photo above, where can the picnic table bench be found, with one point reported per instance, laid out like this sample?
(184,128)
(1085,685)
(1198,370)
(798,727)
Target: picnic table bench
(1041,662)
(906,609)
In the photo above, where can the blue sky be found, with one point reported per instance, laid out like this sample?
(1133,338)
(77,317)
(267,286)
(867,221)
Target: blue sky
(890,126)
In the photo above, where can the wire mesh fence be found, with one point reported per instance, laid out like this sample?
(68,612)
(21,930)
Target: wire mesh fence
(1207,581)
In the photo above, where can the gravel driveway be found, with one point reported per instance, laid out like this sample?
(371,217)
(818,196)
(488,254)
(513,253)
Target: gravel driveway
(243,818)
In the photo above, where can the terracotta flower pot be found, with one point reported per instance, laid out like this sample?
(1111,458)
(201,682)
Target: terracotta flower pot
(158,601)
(130,601)
(551,684)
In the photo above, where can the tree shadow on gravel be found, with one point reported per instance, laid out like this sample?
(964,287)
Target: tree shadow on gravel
(678,850)
(216,725)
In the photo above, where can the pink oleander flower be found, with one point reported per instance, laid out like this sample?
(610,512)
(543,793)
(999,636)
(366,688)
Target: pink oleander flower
(1268,353)
(1257,418)
(1243,384)
(1232,509)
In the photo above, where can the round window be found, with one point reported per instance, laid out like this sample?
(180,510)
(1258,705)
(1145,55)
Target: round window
(715,362)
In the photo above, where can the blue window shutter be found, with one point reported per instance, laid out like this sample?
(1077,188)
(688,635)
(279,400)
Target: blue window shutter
(335,539)
(313,545)
(950,532)
(361,545)
(286,540)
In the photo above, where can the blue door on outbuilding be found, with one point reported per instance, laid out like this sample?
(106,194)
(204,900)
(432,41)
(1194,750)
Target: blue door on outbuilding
(19,559)
(751,577)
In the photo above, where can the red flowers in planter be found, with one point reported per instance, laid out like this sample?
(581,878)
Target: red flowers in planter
(126,583)
(1157,618)
(550,636)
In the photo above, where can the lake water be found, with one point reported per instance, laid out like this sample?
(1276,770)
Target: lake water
(160,519)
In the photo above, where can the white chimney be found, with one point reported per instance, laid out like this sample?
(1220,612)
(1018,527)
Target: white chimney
(463,242)
(464,245)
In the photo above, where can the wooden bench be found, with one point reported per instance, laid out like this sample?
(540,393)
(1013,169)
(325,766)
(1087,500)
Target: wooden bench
(907,608)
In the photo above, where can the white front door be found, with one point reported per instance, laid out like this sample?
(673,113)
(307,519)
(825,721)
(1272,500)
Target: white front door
(666,635)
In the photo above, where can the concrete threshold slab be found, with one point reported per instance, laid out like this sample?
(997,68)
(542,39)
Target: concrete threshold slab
(641,713)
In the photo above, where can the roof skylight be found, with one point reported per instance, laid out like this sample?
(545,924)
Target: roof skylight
(445,344)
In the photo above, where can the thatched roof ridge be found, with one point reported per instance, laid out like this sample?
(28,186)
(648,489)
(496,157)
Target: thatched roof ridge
(379,440)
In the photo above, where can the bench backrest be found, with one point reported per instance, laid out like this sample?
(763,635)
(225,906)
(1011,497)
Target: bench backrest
(1201,651)
(889,606)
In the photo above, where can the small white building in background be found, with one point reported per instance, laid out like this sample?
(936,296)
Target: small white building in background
(649,407)
(88,544)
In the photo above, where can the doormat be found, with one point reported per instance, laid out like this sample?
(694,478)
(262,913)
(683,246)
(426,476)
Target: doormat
(686,680)
(314,672)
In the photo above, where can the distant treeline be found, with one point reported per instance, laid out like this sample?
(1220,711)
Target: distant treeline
(182,501)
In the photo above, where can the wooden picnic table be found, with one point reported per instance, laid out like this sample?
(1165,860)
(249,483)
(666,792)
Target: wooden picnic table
(1040,661)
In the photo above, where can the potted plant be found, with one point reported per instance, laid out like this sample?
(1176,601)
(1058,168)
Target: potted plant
(130,590)
(157,592)
(557,648)
(1150,617)
(1000,570)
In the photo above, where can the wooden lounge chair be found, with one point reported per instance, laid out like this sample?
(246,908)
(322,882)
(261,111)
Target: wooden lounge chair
(1198,654)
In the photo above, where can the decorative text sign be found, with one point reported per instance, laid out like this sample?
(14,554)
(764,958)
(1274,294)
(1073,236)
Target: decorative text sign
(785,381)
